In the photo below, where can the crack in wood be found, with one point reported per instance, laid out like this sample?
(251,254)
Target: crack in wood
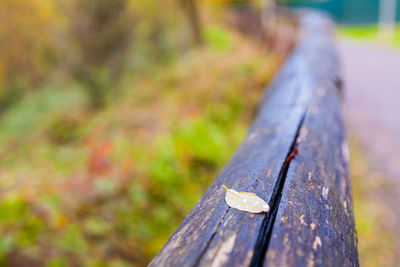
(267,225)
(301,109)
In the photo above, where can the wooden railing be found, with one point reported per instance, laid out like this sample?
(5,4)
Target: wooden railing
(310,222)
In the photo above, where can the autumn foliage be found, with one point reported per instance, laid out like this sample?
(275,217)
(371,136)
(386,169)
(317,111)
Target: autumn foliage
(113,124)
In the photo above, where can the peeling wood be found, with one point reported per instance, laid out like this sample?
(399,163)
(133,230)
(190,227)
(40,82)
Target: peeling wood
(317,243)
(222,255)
(325,192)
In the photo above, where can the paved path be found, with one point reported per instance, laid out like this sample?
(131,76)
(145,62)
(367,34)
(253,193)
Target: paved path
(372,81)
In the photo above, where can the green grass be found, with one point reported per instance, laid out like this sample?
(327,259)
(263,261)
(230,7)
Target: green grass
(370,33)
(377,244)
(36,109)
(359,32)
(109,188)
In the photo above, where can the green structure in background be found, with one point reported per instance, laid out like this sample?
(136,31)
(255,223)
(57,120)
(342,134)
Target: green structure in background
(346,11)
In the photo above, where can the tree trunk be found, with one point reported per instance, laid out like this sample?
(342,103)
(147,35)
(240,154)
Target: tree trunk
(192,13)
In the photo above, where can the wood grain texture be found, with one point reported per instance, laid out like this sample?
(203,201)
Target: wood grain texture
(215,235)
(314,224)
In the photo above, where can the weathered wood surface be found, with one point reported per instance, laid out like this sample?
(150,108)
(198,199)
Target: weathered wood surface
(311,219)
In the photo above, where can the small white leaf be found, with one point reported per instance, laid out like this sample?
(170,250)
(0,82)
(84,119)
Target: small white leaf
(245,201)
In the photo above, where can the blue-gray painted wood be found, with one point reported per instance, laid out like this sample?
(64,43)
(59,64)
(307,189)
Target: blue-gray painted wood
(215,235)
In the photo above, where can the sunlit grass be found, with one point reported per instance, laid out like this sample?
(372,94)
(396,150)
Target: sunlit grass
(370,33)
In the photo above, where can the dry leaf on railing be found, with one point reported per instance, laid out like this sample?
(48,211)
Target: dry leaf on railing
(245,201)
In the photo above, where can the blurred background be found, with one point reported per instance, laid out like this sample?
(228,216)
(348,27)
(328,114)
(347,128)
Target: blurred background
(115,116)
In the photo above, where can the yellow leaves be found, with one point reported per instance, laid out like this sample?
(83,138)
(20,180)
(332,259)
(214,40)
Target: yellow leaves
(245,201)
(30,30)
(59,221)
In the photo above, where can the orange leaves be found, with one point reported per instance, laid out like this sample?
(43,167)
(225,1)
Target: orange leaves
(99,160)
(59,221)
